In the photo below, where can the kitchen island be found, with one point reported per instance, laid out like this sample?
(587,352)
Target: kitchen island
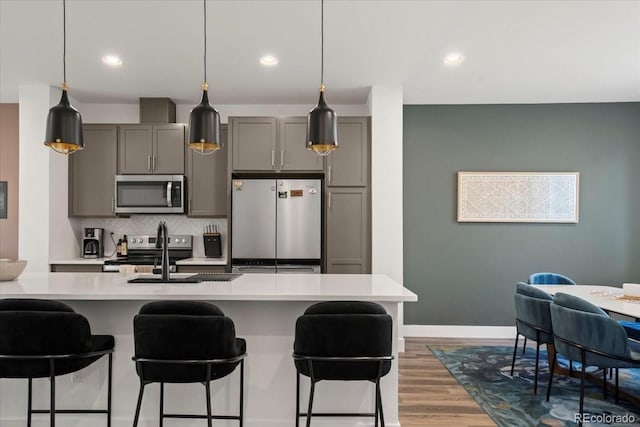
(264,308)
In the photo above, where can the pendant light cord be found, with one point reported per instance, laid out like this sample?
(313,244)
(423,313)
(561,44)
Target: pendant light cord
(64,42)
(205,40)
(322,42)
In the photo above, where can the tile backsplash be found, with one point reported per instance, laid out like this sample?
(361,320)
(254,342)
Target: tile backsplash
(148,224)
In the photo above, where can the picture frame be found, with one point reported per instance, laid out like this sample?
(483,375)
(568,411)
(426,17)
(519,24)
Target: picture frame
(550,197)
(3,199)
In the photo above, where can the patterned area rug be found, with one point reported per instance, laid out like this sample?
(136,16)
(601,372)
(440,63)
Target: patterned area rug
(485,373)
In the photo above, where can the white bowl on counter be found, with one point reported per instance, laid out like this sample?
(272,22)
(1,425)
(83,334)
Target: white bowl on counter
(10,269)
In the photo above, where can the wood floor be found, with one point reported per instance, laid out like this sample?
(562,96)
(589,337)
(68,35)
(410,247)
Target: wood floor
(429,395)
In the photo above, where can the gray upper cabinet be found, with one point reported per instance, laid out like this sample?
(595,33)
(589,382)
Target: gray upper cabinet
(293,153)
(347,231)
(207,181)
(151,149)
(253,141)
(271,144)
(91,173)
(348,165)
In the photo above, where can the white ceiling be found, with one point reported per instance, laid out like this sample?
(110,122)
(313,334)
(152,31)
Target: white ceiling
(515,51)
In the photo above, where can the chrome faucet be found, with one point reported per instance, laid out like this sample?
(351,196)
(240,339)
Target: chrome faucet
(161,242)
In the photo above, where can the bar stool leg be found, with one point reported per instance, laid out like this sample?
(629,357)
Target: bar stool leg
(161,418)
(297,398)
(109,385)
(139,404)
(313,388)
(52,379)
(524,346)
(207,388)
(380,406)
(29,402)
(241,392)
(535,381)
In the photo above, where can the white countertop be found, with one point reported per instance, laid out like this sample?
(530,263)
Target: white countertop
(100,261)
(249,287)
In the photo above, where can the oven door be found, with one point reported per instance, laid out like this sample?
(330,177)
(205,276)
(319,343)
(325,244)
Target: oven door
(149,194)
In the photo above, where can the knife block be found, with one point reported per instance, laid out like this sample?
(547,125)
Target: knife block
(212,245)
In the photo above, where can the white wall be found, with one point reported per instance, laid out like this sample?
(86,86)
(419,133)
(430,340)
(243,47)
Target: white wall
(34,159)
(385,103)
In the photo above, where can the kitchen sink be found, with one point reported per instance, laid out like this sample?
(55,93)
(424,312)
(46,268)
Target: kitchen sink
(176,280)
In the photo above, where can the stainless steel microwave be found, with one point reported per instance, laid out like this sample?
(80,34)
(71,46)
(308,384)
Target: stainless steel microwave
(141,194)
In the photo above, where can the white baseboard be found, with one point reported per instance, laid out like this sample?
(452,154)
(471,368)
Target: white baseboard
(452,331)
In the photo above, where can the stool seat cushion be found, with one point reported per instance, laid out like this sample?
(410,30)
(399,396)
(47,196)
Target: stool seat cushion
(337,329)
(194,331)
(42,328)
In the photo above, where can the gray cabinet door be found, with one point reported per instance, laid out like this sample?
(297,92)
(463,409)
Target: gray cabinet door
(207,181)
(168,149)
(253,143)
(348,165)
(92,172)
(293,153)
(347,230)
(135,149)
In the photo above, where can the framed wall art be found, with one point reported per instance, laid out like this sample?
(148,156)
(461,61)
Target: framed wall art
(3,199)
(518,197)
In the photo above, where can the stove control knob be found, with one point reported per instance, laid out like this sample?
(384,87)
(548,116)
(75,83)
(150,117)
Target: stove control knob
(184,240)
(177,240)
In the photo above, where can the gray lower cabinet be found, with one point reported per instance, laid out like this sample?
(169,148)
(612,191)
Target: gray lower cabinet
(207,181)
(348,238)
(271,144)
(92,171)
(348,165)
(151,149)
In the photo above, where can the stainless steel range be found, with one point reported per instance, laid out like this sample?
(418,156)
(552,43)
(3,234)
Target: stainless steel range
(144,250)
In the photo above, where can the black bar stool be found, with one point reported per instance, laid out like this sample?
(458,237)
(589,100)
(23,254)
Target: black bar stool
(186,342)
(46,339)
(343,341)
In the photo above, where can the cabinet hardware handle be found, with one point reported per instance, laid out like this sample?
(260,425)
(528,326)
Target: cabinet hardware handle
(189,206)
(153,163)
(113,205)
(148,162)
(281,159)
(330,197)
(273,158)
(329,173)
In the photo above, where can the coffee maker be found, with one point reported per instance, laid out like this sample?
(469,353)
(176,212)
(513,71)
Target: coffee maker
(92,246)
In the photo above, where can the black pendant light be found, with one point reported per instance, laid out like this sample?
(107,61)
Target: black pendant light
(204,120)
(64,124)
(322,121)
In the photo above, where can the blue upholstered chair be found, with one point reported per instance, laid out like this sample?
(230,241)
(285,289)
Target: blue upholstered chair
(585,333)
(533,320)
(632,328)
(547,278)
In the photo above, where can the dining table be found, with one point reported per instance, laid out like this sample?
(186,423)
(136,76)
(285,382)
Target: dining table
(612,300)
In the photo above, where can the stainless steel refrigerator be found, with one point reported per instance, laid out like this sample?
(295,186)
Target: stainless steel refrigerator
(276,225)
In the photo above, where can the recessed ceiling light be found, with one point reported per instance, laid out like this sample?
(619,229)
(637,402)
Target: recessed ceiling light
(112,60)
(269,60)
(453,58)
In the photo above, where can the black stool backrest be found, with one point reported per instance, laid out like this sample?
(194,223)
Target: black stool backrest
(37,328)
(344,329)
(183,330)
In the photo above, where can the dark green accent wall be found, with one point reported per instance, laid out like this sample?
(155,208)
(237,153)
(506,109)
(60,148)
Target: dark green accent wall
(464,273)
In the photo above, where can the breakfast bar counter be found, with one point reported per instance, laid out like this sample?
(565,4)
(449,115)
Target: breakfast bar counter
(264,308)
